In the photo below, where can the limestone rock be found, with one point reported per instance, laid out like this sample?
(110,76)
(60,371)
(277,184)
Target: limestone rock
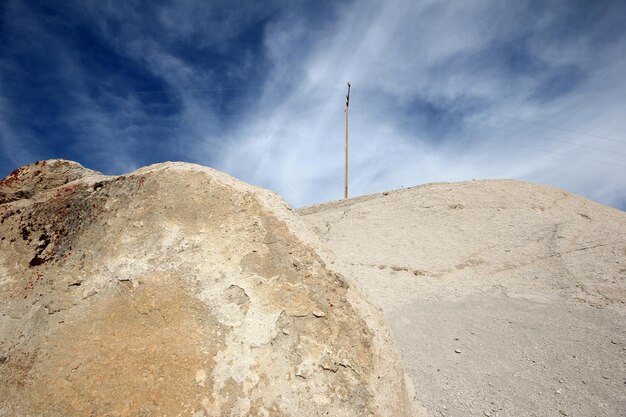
(177,290)
(527,282)
(43,175)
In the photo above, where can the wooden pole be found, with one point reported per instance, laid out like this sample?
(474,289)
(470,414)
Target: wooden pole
(345,184)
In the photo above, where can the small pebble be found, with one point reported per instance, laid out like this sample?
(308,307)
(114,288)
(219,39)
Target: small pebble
(457,350)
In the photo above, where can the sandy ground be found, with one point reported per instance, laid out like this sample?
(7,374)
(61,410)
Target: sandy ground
(505,298)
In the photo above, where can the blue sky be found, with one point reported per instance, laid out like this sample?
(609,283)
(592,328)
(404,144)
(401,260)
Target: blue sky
(441,91)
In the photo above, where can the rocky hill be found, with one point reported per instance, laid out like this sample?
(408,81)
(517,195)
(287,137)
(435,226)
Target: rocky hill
(505,298)
(178,291)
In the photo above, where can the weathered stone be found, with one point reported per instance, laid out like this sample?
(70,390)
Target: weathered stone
(172,291)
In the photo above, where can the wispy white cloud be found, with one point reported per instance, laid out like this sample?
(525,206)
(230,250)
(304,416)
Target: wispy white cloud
(431,82)
(12,146)
(442,91)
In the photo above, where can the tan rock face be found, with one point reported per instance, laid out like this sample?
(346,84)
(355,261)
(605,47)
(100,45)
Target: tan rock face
(176,290)
(43,175)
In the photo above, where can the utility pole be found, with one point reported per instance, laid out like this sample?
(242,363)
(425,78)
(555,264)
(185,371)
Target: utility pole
(345,185)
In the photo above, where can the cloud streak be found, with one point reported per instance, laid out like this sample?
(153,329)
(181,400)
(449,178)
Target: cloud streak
(441,91)
(434,85)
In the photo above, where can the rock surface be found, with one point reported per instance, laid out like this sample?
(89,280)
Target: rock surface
(27,181)
(505,298)
(178,291)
